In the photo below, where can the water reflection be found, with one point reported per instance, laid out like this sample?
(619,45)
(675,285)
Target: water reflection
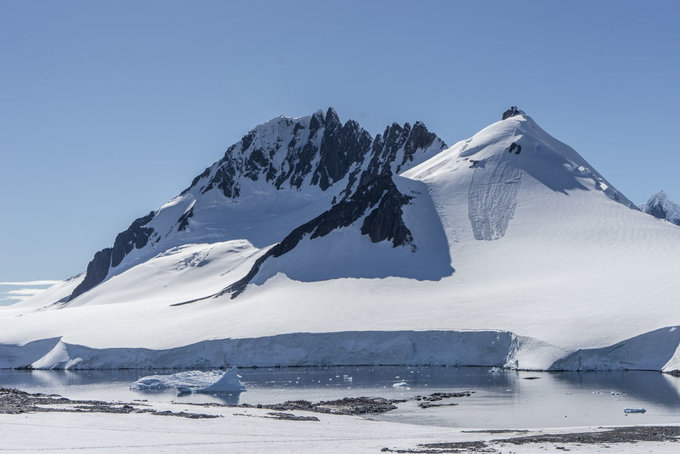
(651,387)
(500,399)
(226,398)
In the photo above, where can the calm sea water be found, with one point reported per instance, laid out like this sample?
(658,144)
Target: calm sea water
(505,399)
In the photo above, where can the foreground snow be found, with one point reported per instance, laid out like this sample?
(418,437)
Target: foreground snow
(253,431)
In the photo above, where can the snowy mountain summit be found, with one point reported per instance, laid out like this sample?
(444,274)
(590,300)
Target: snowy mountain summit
(311,242)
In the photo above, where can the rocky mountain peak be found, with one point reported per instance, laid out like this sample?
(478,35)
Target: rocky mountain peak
(511,112)
(332,117)
(659,197)
(660,206)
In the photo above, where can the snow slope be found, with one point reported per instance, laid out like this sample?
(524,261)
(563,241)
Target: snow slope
(512,235)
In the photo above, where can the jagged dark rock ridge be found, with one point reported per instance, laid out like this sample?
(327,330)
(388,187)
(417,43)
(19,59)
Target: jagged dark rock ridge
(339,147)
(136,236)
(317,151)
(376,192)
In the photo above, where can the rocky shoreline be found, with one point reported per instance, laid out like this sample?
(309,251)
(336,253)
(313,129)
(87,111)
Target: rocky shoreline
(15,402)
(562,441)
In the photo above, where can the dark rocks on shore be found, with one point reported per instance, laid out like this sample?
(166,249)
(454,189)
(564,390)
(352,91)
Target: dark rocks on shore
(347,406)
(291,417)
(610,436)
(14,401)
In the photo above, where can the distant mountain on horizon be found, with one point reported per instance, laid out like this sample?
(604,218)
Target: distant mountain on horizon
(661,207)
(367,250)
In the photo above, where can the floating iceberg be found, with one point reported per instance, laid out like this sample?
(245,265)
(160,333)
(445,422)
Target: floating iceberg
(193,381)
(229,382)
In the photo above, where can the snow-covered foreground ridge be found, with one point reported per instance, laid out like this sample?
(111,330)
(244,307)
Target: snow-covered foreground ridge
(312,243)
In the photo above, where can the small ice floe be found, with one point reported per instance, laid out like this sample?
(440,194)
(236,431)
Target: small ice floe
(347,379)
(495,371)
(400,384)
(634,410)
(193,381)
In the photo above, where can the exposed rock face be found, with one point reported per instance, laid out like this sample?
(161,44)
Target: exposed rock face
(385,222)
(314,153)
(660,206)
(97,270)
(397,138)
(511,112)
(319,149)
(376,197)
(341,147)
(183,221)
(136,236)
(514,146)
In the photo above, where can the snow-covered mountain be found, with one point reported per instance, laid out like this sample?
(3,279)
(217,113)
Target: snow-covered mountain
(276,178)
(311,242)
(660,206)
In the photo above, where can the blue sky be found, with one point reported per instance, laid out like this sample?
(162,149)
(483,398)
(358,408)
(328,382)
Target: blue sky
(109,109)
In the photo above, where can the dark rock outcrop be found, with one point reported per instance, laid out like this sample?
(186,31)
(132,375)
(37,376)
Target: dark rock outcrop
(661,207)
(341,147)
(136,236)
(383,223)
(96,272)
(657,210)
(183,221)
(395,138)
(514,146)
(511,112)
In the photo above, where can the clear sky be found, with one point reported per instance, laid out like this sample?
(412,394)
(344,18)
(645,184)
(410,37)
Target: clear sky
(109,108)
